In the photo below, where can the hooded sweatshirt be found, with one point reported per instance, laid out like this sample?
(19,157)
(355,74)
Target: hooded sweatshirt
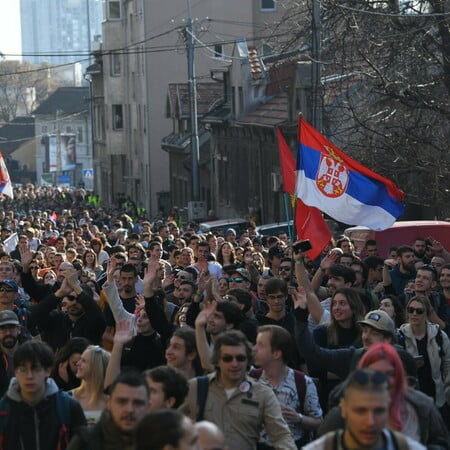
(37,427)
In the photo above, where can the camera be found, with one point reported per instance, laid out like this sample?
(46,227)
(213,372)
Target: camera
(302,246)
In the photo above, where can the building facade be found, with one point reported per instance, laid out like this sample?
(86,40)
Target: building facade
(144,49)
(63,138)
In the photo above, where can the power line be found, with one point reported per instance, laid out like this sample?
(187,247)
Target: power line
(398,15)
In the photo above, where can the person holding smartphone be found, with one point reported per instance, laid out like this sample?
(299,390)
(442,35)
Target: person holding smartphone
(431,347)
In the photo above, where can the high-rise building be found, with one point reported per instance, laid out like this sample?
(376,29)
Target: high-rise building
(62,28)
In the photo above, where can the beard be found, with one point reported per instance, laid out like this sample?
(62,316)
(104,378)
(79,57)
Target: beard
(9,341)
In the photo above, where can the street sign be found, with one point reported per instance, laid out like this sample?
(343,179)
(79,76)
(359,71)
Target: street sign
(88,173)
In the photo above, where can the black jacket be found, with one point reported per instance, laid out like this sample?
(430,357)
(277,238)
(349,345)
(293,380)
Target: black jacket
(58,328)
(37,427)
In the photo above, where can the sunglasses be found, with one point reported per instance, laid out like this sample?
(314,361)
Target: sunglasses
(235,280)
(285,268)
(229,358)
(412,310)
(363,377)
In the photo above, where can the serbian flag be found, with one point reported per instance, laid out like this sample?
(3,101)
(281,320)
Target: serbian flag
(340,186)
(309,222)
(5,181)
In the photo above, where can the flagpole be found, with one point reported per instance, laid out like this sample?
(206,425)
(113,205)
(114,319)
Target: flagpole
(296,176)
(286,213)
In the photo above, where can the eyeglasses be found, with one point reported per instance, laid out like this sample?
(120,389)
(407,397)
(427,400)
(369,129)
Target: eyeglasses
(229,358)
(412,310)
(4,289)
(33,369)
(285,268)
(276,297)
(236,280)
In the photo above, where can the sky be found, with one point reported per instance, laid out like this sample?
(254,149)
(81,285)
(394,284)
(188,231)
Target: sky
(10,39)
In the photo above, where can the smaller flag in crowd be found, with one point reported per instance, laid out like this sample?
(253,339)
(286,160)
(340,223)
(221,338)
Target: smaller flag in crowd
(5,181)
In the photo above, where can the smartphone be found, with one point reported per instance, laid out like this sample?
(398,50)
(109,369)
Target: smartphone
(302,246)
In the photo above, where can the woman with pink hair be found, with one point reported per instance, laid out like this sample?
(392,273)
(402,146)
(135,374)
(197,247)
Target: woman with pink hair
(411,412)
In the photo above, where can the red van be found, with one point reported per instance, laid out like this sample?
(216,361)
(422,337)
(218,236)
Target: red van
(401,233)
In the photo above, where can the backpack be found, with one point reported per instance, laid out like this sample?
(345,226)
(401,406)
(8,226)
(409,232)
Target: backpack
(300,384)
(63,412)
(332,440)
(203,386)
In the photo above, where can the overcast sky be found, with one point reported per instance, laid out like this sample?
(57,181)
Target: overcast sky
(10,40)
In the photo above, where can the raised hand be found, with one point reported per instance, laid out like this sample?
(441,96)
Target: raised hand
(203,279)
(207,310)
(124,332)
(110,269)
(299,298)
(331,258)
(26,256)
(140,301)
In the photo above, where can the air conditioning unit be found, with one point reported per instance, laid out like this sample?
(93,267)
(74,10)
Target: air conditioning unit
(276,182)
(196,210)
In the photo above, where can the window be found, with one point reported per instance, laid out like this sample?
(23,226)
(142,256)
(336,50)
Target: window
(113,9)
(241,100)
(218,51)
(117,116)
(116,67)
(268,5)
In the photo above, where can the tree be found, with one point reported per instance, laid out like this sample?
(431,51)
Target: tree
(386,87)
(22,87)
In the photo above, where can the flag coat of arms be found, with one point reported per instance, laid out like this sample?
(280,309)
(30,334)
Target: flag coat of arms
(309,222)
(330,180)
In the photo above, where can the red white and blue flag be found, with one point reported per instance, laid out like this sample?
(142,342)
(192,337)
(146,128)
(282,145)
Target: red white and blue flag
(341,187)
(5,181)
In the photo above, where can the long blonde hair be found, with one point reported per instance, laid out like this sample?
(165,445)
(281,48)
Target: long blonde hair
(94,384)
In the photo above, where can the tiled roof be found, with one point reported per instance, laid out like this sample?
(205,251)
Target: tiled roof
(209,95)
(16,133)
(68,100)
(273,113)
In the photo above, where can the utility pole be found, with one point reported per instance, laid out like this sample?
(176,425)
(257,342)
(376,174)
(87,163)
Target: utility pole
(193,106)
(58,148)
(316,27)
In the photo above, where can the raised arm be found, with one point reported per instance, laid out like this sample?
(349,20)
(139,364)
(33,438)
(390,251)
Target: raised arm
(334,360)
(113,298)
(124,333)
(153,308)
(315,308)
(204,352)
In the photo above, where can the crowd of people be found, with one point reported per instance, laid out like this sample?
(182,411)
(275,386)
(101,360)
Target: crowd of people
(119,332)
